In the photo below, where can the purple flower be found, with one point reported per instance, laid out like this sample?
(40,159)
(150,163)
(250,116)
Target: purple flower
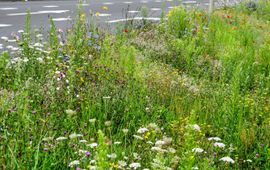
(87,153)
(89,34)
(78,168)
(96,36)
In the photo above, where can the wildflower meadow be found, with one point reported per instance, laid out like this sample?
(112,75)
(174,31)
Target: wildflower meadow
(189,92)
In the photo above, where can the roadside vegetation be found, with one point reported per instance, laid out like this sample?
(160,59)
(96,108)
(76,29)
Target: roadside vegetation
(190,92)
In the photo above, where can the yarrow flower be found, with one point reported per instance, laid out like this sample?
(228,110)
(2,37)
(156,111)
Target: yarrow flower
(74,135)
(219,144)
(138,137)
(135,165)
(196,127)
(227,159)
(197,150)
(122,163)
(76,162)
(92,145)
(214,138)
(142,130)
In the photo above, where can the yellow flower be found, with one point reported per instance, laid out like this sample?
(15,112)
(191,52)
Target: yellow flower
(105,8)
(97,14)
(170,13)
(146,135)
(82,80)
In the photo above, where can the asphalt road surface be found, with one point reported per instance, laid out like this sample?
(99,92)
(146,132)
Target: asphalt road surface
(109,12)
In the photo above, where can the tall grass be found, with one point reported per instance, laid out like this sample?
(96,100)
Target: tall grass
(191,92)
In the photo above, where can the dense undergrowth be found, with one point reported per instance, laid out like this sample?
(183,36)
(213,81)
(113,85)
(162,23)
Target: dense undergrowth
(191,92)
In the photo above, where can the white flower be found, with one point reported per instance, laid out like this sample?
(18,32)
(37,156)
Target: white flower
(160,143)
(70,112)
(135,165)
(83,151)
(112,156)
(142,130)
(76,162)
(171,150)
(38,45)
(39,35)
(197,150)
(25,60)
(196,127)
(74,135)
(117,143)
(122,163)
(195,168)
(20,31)
(219,144)
(92,120)
(92,145)
(82,141)
(125,131)
(248,160)
(61,138)
(214,138)
(138,137)
(158,149)
(227,159)
(108,123)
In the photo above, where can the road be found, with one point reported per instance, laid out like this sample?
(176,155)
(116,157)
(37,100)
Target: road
(109,12)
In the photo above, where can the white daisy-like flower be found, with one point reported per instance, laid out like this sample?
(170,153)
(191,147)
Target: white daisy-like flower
(197,150)
(196,127)
(219,144)
(74,135)
(61,138)
(227,159)
(214,138)
(92,145)
(73,163)
(142,130)
(122,163)
(138,137)
(135,165)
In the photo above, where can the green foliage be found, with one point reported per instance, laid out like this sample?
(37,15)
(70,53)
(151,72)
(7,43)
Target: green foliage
(189,92)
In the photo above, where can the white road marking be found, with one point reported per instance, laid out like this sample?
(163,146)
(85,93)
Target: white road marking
(39,12)
(155,9)
(108,3)
(133,12)
(61,19)
(7,9)
(135,18)
(103,15)
(50,6)
(127,2)
(144,2)
(189,2)
(5,25)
